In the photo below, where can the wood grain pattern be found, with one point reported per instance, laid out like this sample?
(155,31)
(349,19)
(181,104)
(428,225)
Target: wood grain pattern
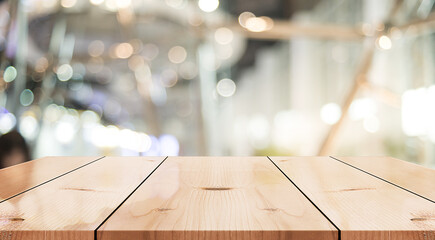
(72,206)
(362,206)
(217,198)
(18,178)
(411,176)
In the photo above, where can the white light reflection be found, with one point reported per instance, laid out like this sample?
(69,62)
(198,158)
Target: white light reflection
(384,42)
(226,87)
(7,122)
(208,5)
(28,127)
(330,113)
(65,129)
(169,145)
(64,72)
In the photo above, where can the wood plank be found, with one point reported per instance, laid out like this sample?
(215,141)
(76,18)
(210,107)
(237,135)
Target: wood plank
(73,206)
(360,205)
(410,176)
(217,198)
(19,178)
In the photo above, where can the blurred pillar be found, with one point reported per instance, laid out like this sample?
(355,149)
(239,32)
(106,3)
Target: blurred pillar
(20,59)
(360,78)
(207,76)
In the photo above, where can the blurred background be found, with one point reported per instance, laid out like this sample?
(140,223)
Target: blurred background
(218,77)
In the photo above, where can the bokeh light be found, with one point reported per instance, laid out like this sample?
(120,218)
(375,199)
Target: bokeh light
(384,42)
(177,54)
(223,35)
(226,87)
(64,72)
(123,50)
(26,97)
(243,18)
(96,2)
(7,122)
(68,3)
(10,74)
(330,113)
(208,5)
(28,127)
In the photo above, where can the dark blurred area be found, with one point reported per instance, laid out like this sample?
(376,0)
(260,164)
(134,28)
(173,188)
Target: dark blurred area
(13,149)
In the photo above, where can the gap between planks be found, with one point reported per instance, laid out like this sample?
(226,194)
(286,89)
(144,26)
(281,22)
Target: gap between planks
(380,178)
(138,186)
(50,180)
(338,229)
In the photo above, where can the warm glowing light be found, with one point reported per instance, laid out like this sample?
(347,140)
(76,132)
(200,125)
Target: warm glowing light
(330,113)
(361,108)
(177,54)
(41,65)
(96,2)
(125,16)
(269,22)
(244,17)
(256,24)
(226,87)
(384,42)
(64,72)
(208,5)
(123,50)
(123,3)
(223,35)
(68,3)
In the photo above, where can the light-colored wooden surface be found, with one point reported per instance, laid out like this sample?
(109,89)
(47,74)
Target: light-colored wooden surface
(74,205)
(18,178)
(217,198)
(410,176)
(360,205)
(117,198)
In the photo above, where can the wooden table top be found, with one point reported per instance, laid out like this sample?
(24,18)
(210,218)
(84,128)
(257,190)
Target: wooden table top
(160,198)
